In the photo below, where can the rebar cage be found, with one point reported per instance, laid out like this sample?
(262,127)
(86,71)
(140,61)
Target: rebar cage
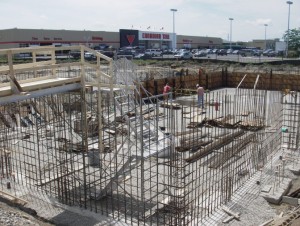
(122,152)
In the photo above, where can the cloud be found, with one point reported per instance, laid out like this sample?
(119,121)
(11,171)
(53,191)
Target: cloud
(194,17)
(259,22)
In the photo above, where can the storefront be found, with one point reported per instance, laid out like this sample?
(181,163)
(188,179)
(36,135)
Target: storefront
(16,38)
(146,39)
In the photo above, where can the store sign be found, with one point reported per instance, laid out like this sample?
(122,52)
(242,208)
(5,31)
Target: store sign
(97,38)
(187,41)
(154,36)
(34,38)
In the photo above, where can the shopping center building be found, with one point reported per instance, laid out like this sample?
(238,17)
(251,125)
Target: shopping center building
(15,38)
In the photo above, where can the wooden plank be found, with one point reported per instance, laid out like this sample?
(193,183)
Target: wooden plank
(231,213)
(40,84)
(194,146)
(221,158)
(215,145)
(228,219)
(13,198)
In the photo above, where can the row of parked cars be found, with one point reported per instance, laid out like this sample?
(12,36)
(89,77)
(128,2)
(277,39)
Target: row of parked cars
(131,52)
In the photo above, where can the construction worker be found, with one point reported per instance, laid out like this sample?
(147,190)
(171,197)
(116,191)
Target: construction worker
(200,94)
(166,90)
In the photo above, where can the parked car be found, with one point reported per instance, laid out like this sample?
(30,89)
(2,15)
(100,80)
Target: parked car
(125,53)
(142,56)
(229,51)
(89,56)
(209,51)
(222,52)
(201,53)
(184,55)
(75,54)
(153,52)
(108,53)
(215,51)
(265,53)
(257,52)
(271,54)
(246,52)
(167,52)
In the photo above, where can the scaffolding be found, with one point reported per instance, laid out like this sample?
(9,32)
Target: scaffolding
(90,135)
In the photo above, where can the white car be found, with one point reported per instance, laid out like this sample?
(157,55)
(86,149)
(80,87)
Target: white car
(153,52)
(184,55)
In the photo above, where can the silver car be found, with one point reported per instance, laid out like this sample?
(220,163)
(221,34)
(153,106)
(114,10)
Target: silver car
(184,55)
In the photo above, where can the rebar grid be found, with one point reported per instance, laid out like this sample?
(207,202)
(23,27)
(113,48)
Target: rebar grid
(143,160)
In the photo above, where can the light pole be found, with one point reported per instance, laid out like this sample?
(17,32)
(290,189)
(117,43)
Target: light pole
(265,35)
(288,36)
(231,19)
(174,36)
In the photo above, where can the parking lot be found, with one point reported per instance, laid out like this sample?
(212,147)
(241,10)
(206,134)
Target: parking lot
(230,57)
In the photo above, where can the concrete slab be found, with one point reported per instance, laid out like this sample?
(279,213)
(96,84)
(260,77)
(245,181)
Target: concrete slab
(266,188)
(295,169)
(275,194)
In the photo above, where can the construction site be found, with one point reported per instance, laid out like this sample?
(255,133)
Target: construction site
(101,136)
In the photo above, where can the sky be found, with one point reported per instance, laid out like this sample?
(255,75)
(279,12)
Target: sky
(194,17)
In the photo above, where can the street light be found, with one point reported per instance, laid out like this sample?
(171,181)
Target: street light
(174,37)
(265,35)
(231,19)
(288,36)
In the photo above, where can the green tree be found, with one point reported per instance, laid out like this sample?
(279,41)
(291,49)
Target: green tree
(294,39)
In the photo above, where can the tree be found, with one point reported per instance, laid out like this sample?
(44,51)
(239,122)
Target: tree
(294,39)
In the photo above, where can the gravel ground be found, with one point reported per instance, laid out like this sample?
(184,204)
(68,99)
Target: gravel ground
(12,216)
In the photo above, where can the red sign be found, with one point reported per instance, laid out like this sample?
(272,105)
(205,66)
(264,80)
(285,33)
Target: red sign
(130,38)
(166,36)
(155,36)
(97,38)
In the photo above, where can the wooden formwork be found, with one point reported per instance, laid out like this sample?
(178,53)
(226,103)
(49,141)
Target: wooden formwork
(218,79)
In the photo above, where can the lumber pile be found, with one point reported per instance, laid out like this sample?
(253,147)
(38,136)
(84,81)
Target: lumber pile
(229,121)
(193,145)
(170,105)
(252,125)
(196,121)
(214,145)
(221,158)
(193,142)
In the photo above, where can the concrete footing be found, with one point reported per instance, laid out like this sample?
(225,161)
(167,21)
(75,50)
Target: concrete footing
(277,190)
(295,169)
